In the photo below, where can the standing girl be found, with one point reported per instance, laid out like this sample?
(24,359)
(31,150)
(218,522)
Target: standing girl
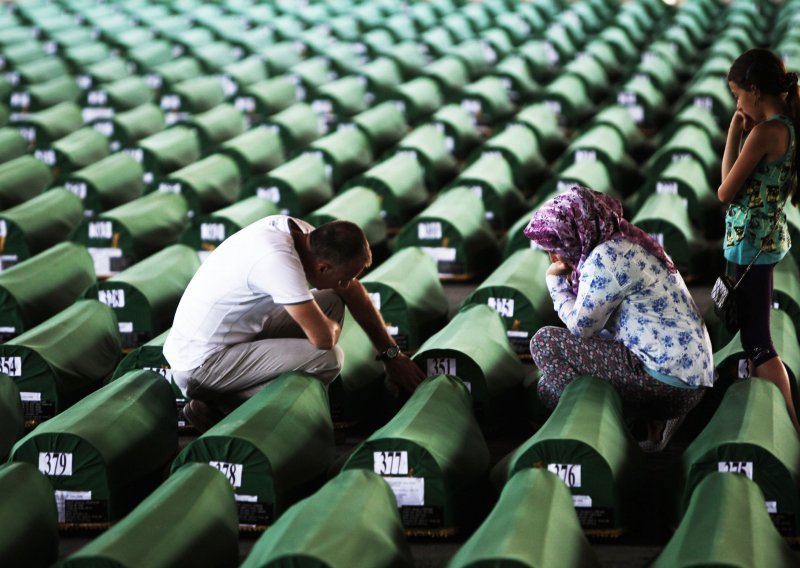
(759,173)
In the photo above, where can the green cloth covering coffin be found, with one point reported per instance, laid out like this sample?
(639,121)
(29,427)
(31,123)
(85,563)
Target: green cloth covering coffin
(419,99)
(382,75)
(515,74)
(28,513)
(74,151)
(295,187)
(126,129)
(356,505)
(786,290)
(491,177)
(429,144)
(128,233)
(108,183)
(454,232)
(460,129)
(39,223)
(62,359)
(22,179)
(358,205)
(520,147)
(713,94)
(256,151)
(12,144)
(726,524)
(193,96)
(121,95)
(215,126)
(266,97)
(488,100)
(167,151)
(165,76)
(384,125)
(150,357)
(593,74)
(515,239)
(645,101)
(188,520)
(750,434)
(665,217)
(298,126)
(346,152)
(341,98)
(208,232)
(98,453)
(587,173)
(688,142)
(568,97)
(109,70)
(12,422)
(45,95)
(474,348)
(543,121)
(399,181)
(532,525)
(619,118)
(310,75)
(407,292)
(433,456)
(359,392)
(586,443)
(145,296)
(242,74)
(517,291)
(42,286)
(274,448)
(209,184)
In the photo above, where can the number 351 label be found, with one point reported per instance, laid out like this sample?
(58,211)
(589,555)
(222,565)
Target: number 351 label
(55,463)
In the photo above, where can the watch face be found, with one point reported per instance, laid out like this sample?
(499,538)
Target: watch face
(392,351)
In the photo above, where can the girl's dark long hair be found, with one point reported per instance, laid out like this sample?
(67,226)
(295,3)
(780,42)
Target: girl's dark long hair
(765,70)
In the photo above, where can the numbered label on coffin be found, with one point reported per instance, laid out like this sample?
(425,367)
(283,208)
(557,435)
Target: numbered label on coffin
(409,491)
(56,464)
(233,471)
(569,473)
(741,467)
(441,366)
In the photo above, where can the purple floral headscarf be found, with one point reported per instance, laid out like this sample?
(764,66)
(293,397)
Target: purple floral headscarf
(574,222)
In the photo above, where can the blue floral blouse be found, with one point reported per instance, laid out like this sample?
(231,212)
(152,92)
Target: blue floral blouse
(626,293)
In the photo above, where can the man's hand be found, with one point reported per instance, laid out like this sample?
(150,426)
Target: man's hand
(404,373)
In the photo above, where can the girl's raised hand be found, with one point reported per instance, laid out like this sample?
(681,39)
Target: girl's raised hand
(742,121)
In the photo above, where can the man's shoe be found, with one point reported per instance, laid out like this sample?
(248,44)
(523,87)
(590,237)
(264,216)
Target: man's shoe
(201,416)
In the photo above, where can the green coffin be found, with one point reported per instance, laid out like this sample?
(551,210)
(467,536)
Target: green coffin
(688,142)
(793,221)
(250,447)
(30,517)
(126,129)
(39,223)
(107,183)
(83,56)
(298,186)
(168,151)
(75,151)
(592,174)
(42,96)
(145,53)
(491,177)
(407,292)
(429,143)
(42,286)
(22,179)
(193,95)
(586,430)
(409,55)
(37,71)
(726,524)
(266,97)
(451,74)
(384,125)
(106,71)
(541,59)
(359,205)
(517,291)
(474,54)
(453,230)
(346,152)
(568,97)
(309,75)
(298,126)
(399,181)
(156,533)
(12,420)
(98,452)
(711,93)
(382,75)
(124,94)
(354,503)
(280,57)
(342,98)
(220,124)
(62,359)
(358,394)
(43,128)
(661,72)
(474,348)
(459,128)
(207,185)
(520,147)
(433,456)
(646,103)
(210,230)
(605,143)
(17,54)
(128,233)
(532,525)
(419,99)
(666,218)
(165,76)
(12,144)
(256,151)
(786,289)
(145,296)
(592,73)
(542,120)
(216,57)
(515,74)
(750,434)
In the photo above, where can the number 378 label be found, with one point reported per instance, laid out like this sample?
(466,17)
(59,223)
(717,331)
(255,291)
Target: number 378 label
(570,473)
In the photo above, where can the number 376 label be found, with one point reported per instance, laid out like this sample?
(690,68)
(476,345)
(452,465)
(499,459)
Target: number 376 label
(570,473)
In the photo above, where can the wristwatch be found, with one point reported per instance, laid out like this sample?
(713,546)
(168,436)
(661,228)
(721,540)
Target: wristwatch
(388,354)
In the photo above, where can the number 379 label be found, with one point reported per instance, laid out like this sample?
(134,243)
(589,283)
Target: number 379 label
(55,463)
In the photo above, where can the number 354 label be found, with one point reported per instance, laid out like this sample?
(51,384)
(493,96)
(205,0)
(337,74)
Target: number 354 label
(55,463)
(570,473)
